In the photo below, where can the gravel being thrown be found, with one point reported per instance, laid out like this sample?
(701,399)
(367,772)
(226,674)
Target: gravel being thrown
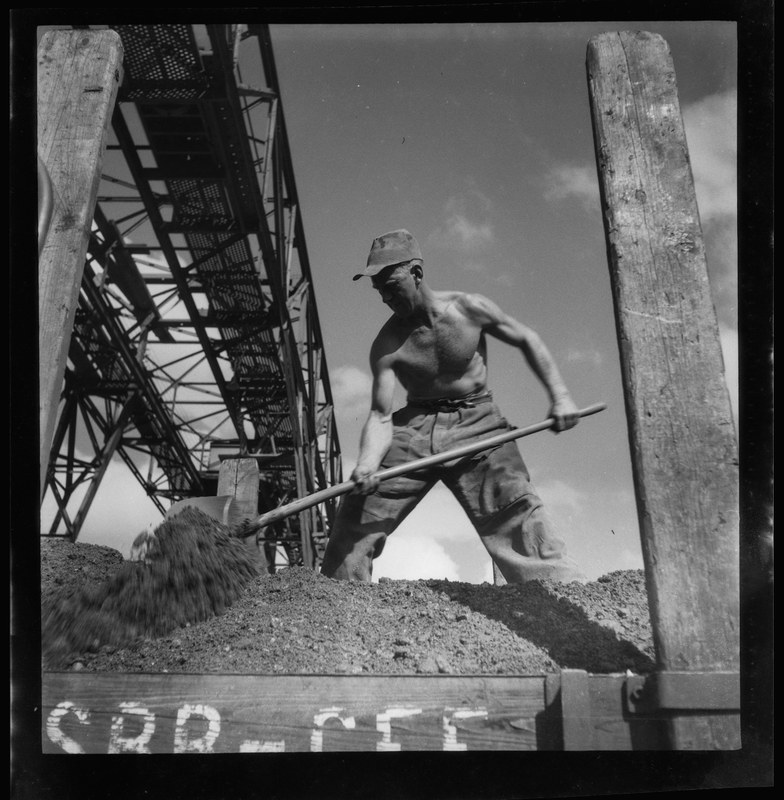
(194,570)
(298,621)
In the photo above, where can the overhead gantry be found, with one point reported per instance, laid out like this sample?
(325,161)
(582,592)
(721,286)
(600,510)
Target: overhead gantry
(196,335)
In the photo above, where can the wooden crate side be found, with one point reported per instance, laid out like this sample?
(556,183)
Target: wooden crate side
(596,716)
(166,713)
(615,725)
(609,713)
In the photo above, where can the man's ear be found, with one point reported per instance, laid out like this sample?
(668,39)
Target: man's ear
(417,271)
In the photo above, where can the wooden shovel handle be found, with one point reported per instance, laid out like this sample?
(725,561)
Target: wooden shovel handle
(281,512)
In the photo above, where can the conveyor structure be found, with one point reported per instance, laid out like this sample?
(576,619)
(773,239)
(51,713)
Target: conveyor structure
(197,335)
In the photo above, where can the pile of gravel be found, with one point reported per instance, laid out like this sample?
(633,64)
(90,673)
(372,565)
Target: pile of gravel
(298,621)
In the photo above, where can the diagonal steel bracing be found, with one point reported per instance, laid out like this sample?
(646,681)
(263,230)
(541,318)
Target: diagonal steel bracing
(197,335)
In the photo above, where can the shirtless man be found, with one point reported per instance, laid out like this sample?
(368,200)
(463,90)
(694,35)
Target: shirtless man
(435,345)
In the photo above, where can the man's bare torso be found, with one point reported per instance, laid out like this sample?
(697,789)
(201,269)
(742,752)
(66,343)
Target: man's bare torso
(446,357)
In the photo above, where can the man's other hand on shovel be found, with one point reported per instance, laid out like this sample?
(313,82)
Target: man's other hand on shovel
(564,413)
(366,480)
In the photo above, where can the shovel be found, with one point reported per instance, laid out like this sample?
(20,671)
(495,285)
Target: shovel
(249,528)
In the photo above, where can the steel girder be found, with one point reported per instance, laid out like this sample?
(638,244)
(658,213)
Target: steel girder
(197,335)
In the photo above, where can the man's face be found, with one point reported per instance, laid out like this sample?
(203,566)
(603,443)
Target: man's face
(398,288)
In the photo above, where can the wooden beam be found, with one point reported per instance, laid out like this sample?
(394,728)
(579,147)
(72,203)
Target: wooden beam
(595,714)
(79,73)
(153,712)
(681,430)
(230,713)
(239,478)
(576,710)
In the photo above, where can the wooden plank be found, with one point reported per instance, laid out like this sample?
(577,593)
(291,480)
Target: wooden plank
(168,713)
(717,691)
(239,478)
(576,710)
(681,430)
(613,725)
(552,738)
(79,73)
(594,714)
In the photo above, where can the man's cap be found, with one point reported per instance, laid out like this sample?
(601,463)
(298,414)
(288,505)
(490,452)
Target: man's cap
(395,247)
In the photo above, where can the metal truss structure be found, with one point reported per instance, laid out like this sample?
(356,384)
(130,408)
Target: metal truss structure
(197,334)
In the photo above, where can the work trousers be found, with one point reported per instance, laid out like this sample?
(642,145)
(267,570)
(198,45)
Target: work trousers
(493,487)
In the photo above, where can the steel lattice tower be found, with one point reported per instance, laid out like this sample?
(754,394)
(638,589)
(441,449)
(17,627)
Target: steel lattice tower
(197,334)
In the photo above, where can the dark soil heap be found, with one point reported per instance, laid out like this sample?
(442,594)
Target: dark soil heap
(298,621)
(195,569)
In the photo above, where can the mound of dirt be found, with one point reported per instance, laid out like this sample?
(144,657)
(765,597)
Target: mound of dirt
(298,621)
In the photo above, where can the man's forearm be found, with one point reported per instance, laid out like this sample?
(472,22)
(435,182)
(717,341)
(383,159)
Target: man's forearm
(374,442)
(541,362)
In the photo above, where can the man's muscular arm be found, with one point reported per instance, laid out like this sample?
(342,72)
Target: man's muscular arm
(377,432)
(511,331)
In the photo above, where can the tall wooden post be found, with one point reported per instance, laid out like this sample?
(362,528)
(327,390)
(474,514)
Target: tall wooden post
(681,430)
(79,74)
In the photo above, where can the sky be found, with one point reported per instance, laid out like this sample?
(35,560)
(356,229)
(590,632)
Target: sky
(477,138)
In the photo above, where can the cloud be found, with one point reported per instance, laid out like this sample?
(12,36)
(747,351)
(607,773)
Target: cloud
(350,391)
(436,540)
(721,251)
(599,527)
(466,226)
(410,557)
(503,279)
(347,380)
(560,495)
(593,357)
(351,388)
(468,234)
(729,348)
(564,181)
(475,267)
(711,135)
(440,516)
